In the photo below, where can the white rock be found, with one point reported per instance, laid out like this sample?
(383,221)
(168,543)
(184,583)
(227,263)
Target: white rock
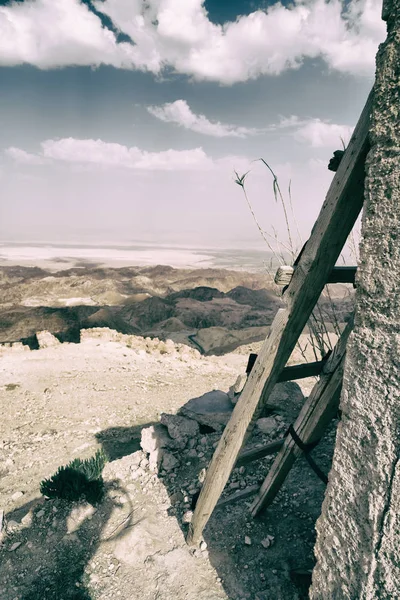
(247,540)
(137,474)
(17,495)
(237,388)
(155,459)
(144,463)
(14,546)
(27,520)
(78,515)
(155,437)
(268,541)
(135,460)
(187,517)
(203,546)
(202,475)
(46,339)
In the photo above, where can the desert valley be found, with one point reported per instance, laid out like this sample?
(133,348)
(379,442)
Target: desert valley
(146,364)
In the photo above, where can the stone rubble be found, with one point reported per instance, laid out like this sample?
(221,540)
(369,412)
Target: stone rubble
(140,344)
(46,339)
(236,389)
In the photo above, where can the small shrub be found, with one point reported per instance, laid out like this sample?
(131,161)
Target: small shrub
(79,479)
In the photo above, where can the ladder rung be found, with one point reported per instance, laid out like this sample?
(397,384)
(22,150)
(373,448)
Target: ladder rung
(301,371)
(248,456)
(293,372)
(240,495)
(338,275)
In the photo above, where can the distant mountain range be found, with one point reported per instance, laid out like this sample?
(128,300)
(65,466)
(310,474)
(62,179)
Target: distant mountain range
(214,310)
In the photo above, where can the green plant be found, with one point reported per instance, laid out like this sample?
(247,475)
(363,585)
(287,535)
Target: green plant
(79,479)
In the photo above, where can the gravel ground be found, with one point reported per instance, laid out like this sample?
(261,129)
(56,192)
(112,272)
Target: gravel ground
(65,401)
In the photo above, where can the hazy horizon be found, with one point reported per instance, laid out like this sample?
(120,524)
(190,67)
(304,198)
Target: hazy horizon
(128,126)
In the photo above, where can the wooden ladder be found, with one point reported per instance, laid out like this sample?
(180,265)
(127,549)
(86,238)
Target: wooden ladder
(305,281)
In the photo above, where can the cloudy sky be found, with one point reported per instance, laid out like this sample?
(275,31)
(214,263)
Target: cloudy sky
(124,120)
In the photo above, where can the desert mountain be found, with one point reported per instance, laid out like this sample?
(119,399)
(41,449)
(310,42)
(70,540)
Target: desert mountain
(214,310)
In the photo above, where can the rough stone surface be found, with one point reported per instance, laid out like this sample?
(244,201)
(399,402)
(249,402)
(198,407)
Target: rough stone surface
(154,437)
(267,424)
(169,462)
(236,389)
(140,542)
(180,429)
(46,339)
(212,409)
(358,543)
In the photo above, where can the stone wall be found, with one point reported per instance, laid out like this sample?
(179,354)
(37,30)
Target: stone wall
(358,533)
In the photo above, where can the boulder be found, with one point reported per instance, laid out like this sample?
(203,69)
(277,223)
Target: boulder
(169,462)
(212,409)
(180,429)
(46,339)
(267,425)
(154,438)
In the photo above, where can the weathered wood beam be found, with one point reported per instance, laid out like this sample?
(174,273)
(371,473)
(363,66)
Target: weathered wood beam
(314,417)
(240,495)
(293,372)
(248,456)
(337,217)
(338,275)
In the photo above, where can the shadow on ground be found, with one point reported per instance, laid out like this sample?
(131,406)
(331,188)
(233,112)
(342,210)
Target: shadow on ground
(70,547)
(247,571)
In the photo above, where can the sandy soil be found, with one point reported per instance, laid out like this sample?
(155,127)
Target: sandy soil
(65,402)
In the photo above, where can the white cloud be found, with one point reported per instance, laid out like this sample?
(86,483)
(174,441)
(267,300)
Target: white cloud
(51,34)
(180,113)
(320,134)
(23,157)
(179,35)
(105,154)
(314,132)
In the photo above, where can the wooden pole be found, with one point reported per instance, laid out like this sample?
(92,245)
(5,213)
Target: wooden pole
(311,423)
(337,217)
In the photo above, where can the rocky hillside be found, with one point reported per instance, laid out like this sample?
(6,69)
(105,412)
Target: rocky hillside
(214,310)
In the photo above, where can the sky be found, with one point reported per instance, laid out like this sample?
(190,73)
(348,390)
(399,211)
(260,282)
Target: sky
(124,121)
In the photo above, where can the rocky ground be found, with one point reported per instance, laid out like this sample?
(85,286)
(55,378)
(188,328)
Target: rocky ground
(122,394)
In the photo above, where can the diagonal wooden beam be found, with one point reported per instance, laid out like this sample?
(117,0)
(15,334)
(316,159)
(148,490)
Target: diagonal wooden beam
(316,414)
(337,217)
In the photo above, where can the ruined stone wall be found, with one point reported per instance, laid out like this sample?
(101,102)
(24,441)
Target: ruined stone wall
(358,541)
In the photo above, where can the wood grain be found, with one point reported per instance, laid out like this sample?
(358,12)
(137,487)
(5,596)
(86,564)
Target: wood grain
(337,217)
(338,275)
(314,417)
